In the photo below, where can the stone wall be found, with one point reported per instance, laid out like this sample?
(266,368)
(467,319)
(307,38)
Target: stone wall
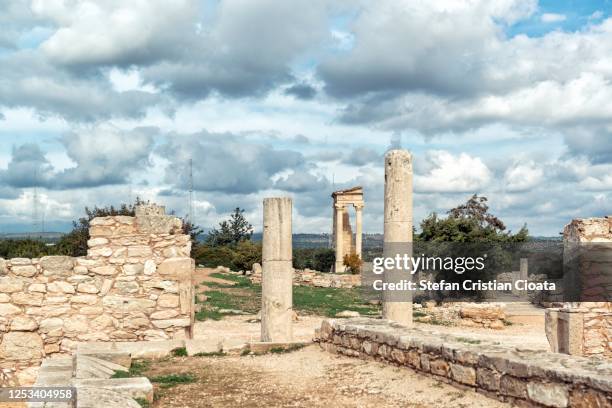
(526,378)
(134,284)
(309,277)
(585,328)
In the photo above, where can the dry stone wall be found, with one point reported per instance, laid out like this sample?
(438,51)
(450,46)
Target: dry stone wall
(525,378)
(134,284)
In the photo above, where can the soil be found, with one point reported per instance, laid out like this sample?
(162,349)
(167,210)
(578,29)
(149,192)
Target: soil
(305,378)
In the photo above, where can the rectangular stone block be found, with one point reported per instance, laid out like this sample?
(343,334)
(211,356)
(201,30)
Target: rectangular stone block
(550,395)
(463,374)
(513,387)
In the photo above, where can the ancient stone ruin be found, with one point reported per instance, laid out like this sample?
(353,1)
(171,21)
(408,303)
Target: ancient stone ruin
(277,275)
(342,231)
(134,284)
(585,328)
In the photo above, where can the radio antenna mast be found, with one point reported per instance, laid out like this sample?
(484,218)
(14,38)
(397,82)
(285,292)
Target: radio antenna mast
(190,215)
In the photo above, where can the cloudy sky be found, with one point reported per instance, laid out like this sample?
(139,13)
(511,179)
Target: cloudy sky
(102,101)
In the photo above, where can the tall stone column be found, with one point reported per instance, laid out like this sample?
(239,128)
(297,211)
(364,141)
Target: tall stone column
(339,235)
(358,228)
(277,274)
(397,306)
(524,268)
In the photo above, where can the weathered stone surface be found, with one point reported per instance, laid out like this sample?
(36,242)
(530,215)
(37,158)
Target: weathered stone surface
(10,285)
(176,268)
(37,287)
(139,251)
(164,324)
(107,270)
(127,304)
(30,299)
(168,300)
(87,288)
(150,267)
(164,314)
(97,242)
(52,326)
(86,299)
(4,298)
(550,395)
(3,267)
(20,261)
(57,265)
(463,374)
(22,323)
(60,287)
(21,346)
(133,269)
(27,271)
(126,288)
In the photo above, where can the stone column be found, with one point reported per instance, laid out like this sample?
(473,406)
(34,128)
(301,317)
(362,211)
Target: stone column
(277,279)
(397,306)
(339,235)
(524,269)
(358,228)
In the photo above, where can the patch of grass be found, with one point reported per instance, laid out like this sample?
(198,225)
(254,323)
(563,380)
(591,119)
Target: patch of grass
(170,380)
(211,354)
(329,301)
(207,314)
(245,352)
(121,374)
(142,402)
(418,313)
(282,350)
(179,352)
(468,341)
(138,367)
(239,280)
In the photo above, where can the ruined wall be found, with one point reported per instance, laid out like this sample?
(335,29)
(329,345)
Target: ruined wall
(134,284)
(585,328)
(525,378)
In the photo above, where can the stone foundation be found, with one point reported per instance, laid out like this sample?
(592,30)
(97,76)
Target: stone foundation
(308,277)
(527,378)
(134,284)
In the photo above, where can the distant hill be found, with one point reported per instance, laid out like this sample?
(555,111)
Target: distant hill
(43,236)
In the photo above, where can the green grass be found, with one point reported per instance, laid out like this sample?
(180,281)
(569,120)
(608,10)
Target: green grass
(179,352)
(329,301)
(282,350)
(418,313)
(137,369)
(211,354)
(246,296)
(468,341)
(170,380)
(142,402)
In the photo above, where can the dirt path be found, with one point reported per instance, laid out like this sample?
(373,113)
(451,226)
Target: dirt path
(305,378)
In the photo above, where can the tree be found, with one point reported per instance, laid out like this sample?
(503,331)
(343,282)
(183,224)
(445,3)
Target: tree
(232,231)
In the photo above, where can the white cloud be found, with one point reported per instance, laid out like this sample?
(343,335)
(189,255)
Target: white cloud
(552,18)
(523,176)
(452,174)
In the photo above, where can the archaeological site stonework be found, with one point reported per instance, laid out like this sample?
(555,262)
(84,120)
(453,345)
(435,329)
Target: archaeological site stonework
(585,328)
(134,284)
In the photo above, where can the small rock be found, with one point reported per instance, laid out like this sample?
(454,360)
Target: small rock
(347,313)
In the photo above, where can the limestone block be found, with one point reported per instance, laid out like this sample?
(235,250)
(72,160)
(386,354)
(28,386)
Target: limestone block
(6,309)
(76,324)
(22,323)
(177,268)
(95,397)
(3,267)
(203,346)
(52,326)
(27,271)
(21,346)
(10,285)
(133,269)
(86,299)
(60,287)
(20,261)
(103,321)
(127,304)
(137,323)
(154,335)
(150,267)
(107,270)
(4,298)
(87,288)
(37,287)
(100,231)
(103,251)
(550,395)
(139,251)
(159,224)
(164,314)
(463,374)
(57,265)
(102,221)
(168,300)
(107,284)
(91,310)
(126,288)
(30,299)
(97,242)
(164,324)
(513,387)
